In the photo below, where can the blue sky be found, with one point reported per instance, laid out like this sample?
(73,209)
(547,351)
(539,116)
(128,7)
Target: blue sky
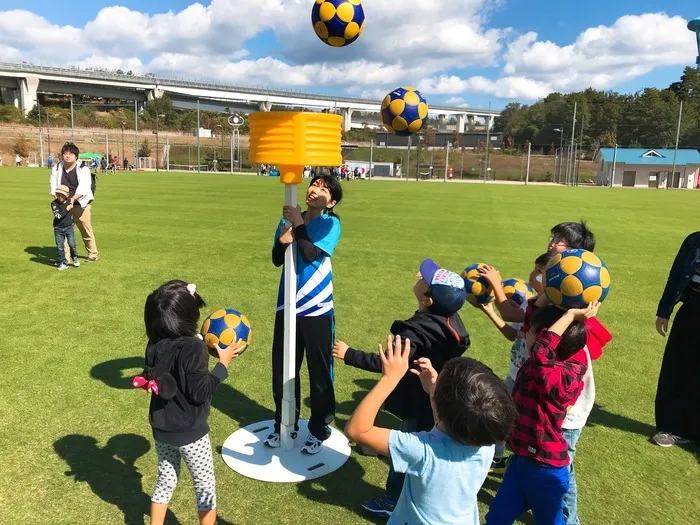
(471,53)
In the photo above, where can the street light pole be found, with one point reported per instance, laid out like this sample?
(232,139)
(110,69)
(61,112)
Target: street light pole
(158,143)
(561,147)
(123,148)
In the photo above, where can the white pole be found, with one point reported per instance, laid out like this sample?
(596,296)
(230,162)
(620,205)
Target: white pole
(527,172)
(570,161)
(675,151)
(447,157)
(167,153)
(41,147)
(612,182)
(371,152)
(232,150)
(290,332)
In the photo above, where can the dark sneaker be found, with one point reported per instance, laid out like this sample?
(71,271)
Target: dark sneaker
(499,464)
(273,440)
(383,506)
(665,440)
(313,445)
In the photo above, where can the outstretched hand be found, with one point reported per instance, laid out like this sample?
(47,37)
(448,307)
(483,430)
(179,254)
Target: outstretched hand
(395,359)
(339,350)
(581,314)
(490,273)
(226,355)
(427,374)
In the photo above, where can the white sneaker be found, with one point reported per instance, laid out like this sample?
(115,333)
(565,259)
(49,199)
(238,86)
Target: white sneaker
(312,446)
(76,262)
(62,266)
(273,440)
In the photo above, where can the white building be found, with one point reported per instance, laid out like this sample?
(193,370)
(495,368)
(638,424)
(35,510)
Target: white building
(648,168)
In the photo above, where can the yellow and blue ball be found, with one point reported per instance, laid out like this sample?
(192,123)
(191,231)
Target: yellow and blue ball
(404,111)
(338,23)
(518,289)
(575,278)
(226,326)
(479,291)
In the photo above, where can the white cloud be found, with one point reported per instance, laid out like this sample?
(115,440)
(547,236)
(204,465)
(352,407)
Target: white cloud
(427,43)
(604,56)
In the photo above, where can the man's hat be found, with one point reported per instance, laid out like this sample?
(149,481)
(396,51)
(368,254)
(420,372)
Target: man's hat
(446,287)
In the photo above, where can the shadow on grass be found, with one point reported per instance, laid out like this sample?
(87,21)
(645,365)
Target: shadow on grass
(333,489)
(227,399)
(42,254)
(110,471)
(600,416)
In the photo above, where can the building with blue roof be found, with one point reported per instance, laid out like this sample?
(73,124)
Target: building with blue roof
(648,168)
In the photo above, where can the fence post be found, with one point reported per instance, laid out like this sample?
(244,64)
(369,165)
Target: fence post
(527,172)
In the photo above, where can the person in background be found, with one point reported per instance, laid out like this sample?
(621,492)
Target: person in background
(49,161)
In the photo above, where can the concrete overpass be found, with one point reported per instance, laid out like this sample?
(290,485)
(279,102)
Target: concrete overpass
(20,85)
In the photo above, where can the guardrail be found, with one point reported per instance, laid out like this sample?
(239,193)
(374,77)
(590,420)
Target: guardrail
(152,80)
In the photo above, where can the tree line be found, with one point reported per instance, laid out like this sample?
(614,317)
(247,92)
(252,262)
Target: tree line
(648,118)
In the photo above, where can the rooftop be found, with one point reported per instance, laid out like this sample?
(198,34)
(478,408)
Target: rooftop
(651,157)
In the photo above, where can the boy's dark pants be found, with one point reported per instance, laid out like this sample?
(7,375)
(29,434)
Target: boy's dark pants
(65,233)
(315,335)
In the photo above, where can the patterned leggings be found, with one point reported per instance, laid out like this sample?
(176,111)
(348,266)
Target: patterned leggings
(200,462)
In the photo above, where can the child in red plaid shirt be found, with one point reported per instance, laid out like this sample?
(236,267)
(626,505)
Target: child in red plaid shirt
(547,385)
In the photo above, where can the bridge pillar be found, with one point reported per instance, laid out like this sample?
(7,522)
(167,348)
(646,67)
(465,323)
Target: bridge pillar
(347,119)
(27,93)
(266,106)
(461,122)
(10,96)
(470,122)
(489,122)
(153,94)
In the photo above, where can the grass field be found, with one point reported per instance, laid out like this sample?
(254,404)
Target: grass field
(75,445)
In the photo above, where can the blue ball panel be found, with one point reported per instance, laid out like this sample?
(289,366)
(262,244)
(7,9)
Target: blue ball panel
(216,326)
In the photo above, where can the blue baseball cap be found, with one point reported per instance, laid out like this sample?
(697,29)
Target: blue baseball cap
(446,288)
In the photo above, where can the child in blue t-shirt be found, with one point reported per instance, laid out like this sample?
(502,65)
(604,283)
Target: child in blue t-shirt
(446,466)
(316,233)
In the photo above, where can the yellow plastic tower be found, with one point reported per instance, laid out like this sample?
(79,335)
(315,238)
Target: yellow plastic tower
(292,140)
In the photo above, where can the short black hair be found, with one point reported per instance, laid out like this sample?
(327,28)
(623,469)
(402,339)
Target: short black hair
(473,403)
(171,311)
(334,188)
(572,340)
(70,147)
(544,259)
(576,234)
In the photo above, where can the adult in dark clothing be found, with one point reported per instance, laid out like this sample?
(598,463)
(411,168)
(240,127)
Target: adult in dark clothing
(436,332)
(678,391)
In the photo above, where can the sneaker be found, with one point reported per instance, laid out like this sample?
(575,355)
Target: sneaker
(76,262)
(383,506)
(273,440)
(91,259)
(312,446)
(664,439)
(499,464)
(62,266)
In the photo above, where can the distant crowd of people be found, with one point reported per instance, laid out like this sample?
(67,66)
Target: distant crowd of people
(343,172)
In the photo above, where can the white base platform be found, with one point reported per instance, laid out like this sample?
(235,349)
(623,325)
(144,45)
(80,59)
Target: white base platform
(245,452)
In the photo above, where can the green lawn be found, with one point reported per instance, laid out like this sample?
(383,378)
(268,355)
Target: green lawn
(74,438)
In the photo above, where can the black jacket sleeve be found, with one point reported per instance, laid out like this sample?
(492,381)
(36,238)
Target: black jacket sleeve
(665,308)
(370,361)
(200,383)
(309,251)
(278,254)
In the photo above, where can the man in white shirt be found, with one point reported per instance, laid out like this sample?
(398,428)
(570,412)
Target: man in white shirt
(79,180)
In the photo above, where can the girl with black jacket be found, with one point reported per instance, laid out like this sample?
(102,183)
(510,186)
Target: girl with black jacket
(181,386)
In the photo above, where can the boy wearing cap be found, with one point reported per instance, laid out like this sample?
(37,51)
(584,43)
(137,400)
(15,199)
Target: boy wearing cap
(63,227)
(436,332)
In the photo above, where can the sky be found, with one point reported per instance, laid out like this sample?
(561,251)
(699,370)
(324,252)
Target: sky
(459,52)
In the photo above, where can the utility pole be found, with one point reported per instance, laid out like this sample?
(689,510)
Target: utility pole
(527,172)
(198,141)
(571,149)
(675,151)
(580,149)
(72,126)
(488,143)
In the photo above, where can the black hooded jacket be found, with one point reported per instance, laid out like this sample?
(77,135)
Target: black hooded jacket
(178,414)
(436,337)
(684,267)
